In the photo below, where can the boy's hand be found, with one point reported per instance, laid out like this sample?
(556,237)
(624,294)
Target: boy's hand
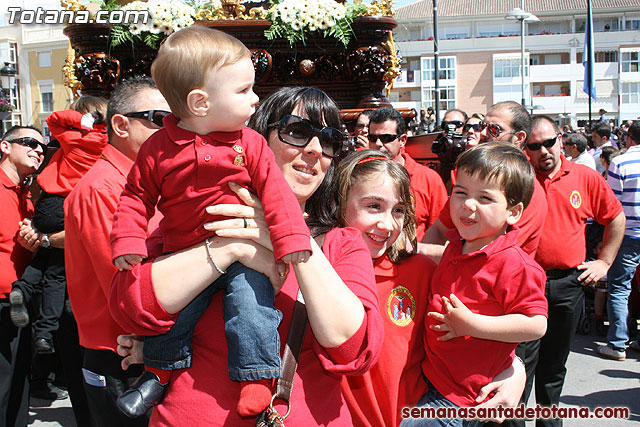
(126,262)
(296,257)
(457,319)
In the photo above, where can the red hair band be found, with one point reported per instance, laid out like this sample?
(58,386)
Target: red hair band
(368,159)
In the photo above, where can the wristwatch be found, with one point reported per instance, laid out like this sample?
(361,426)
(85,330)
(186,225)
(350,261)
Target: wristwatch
(45,242)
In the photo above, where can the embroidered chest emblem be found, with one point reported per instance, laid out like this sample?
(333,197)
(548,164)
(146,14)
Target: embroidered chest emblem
(238,149)
(575,199)
(401,306)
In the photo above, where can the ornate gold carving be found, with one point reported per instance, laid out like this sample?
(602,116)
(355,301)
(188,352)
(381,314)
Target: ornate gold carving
(380,8)
(70,79)
(393,70)
(72,5)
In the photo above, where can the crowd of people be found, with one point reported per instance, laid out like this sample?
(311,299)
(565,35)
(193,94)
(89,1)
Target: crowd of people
(163,216)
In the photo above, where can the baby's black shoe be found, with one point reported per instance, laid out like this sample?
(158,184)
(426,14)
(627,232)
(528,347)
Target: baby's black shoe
(18,313)
(146,392)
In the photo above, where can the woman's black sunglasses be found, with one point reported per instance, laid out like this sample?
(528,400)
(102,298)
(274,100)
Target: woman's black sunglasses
(27,141)
(154,116)
(475,126)
(296,131)
(535,146)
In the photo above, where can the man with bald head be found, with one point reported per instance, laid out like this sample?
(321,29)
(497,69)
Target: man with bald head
(574,194)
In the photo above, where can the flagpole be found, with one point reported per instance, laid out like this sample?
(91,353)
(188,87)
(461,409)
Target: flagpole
(590,53)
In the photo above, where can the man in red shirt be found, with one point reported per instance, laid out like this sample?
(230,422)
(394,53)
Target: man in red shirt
(89,210)
(388,133)
(22,149)
(574,193)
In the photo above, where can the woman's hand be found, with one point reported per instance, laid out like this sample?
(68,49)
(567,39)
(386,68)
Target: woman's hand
(507,388)
(130,348)
(247,221)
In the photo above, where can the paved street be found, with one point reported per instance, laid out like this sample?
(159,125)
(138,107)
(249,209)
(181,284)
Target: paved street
(591,382)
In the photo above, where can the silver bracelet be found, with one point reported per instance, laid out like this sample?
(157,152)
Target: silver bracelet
(218,269)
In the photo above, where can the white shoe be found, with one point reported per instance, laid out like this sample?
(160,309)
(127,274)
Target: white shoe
(610,353)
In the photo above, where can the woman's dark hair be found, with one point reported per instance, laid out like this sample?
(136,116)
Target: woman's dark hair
(321,111)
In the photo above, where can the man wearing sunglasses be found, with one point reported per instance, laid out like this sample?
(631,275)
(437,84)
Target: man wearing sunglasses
(387,133)
(22,152)
(504,122)
(574,194)
(134,113)
(454,119)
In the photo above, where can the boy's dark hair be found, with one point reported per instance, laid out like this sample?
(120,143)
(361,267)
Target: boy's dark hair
(577,139)
(383,114)
(124,97)
(602,128)
(503,163)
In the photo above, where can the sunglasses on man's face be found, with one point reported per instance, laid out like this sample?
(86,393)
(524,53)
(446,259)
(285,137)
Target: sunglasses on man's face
(154,116)
(385,138)
(27,141)
(299,132)
(535,146)
(493,129)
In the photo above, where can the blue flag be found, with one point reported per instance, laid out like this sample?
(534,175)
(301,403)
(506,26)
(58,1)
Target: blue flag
(588,57)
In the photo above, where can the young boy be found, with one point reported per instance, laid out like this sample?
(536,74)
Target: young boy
(486,294)
(207,77)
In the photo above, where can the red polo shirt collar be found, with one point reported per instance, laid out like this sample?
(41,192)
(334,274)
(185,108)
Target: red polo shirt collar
(505,241)
(409,163)
(565,168)
(182,136)
(119,161)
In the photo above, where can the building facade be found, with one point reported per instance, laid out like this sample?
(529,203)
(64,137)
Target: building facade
(37,53)
(480,58)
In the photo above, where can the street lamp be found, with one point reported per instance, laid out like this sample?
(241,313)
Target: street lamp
(7,76)
(519,14)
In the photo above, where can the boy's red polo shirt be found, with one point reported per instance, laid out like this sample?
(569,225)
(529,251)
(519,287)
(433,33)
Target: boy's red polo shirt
(496,280)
